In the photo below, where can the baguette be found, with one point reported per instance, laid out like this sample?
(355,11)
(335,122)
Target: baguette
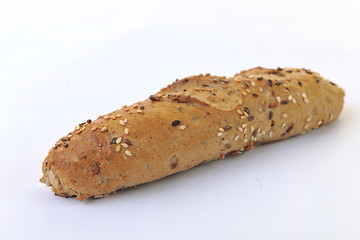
(190,122)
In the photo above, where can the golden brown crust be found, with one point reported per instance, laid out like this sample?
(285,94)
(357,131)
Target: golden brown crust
(192,121)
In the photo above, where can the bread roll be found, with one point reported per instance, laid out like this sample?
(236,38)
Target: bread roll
(192,121)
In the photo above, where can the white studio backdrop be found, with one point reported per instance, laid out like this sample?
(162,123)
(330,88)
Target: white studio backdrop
(63,62)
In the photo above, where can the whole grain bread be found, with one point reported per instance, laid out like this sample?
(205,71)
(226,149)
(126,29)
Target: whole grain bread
(192,121)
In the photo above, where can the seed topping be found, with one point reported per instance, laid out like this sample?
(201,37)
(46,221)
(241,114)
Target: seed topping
(113,141)
(271,114)
(175,123)
(118,148)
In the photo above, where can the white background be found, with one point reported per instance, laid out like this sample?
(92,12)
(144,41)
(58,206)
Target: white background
(63,62)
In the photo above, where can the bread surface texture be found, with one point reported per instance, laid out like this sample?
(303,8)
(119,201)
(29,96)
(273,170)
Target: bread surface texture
(192,121)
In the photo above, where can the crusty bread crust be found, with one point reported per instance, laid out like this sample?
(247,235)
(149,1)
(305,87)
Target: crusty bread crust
(192,121)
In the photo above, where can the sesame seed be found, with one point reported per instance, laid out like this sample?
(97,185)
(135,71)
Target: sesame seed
(261,89)
(262,103)
(331,117)
(241,130)
(125,120)
(260,78)
(139,111)
(245,130)
(278,99)
(273,104)
(306,100)
(284,115)
(284,125)
(239,112)
(122,122)
(246,109)
(227,128)
(263,132)
(118,148)
(94,128)
(100,116)
(126,131)
(118,140)
(106,117)
(220,134)
(236,137)
(124,145)
(128,153)
(320,122)
(253,83)
(175,123)
(103,129)
(113,141)
(113,117)
(308,119)
(251,118)
(248,91)
(255,95)
(245,140)
(272,123)
(271,114)
(270,134)
(252,128)
(293,100)
(304,95)
(242,117)
(221,130)
(65,144)
(269,82)
(306,126)
(182,127)
(240,101)
(244,125)
(118,115)
(244,93)
(88,121)
(78,132)
(58,143)
(77,128)
(290,98)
